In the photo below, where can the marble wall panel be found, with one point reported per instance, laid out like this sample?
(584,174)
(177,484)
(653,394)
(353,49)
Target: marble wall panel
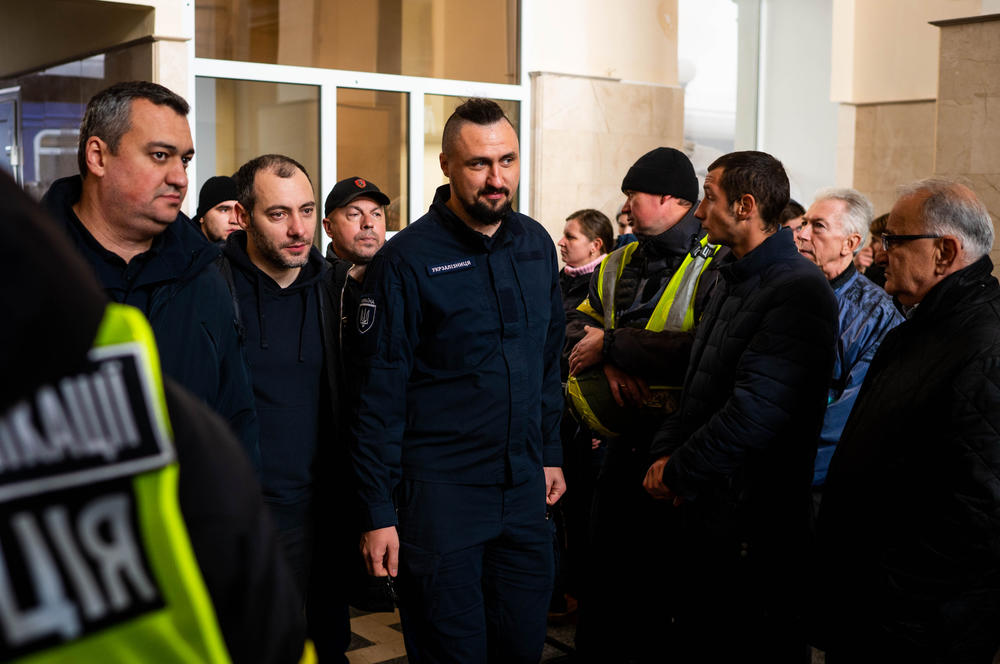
(586,133)
(892,144)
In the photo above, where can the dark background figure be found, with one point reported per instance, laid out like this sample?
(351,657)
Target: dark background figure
(457,440)
(625,234)
(52,323)
(876,271)
(122,213)
(909,528)
(587,237)
(216,215)
(737,460)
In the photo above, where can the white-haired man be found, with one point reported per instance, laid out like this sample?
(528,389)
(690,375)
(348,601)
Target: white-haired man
(832,231)
(911,510)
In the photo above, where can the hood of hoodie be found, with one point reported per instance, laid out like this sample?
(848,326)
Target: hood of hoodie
(182,251)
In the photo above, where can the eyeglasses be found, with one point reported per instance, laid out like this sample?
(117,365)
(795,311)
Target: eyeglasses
(889,241)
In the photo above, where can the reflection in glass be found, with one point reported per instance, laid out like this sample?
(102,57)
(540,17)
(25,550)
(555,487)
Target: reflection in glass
(52,102)
(372,142)
(437,110)
(240,120)
(454,39)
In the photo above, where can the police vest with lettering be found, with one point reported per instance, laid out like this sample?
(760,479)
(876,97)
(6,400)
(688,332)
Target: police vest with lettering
(589,393)
(95,560)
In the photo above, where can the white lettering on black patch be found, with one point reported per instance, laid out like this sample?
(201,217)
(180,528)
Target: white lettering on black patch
(456,266)
(90,427)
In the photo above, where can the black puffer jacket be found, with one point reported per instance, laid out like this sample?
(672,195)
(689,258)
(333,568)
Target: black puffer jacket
(742,444)
(910,521)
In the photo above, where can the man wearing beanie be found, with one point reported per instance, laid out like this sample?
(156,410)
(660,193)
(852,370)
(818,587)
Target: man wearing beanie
(216,214)
(644,303)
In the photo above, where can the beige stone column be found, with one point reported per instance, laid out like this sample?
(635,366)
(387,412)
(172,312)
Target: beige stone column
(967,144)
(587,132)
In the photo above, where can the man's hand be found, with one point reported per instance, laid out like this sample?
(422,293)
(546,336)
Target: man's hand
(380,549)
(555,484)
(653,483)
(625,387)
(588,351)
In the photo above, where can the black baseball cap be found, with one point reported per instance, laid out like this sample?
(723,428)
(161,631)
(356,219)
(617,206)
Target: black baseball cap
(348,189)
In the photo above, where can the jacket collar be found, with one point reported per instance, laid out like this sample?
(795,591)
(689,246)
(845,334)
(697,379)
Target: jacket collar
(179,253)
(971,284)
(777,247)
(676,240)
(839,282)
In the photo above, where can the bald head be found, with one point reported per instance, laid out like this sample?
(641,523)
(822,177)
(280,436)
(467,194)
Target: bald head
(947,207)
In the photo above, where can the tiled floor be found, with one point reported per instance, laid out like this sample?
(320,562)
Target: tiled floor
(377,639)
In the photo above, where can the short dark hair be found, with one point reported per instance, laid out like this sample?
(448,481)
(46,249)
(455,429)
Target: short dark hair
(109,113)
(596,226)
(477,110)
(279,164)
(877,227)
(758,174)
(791,211)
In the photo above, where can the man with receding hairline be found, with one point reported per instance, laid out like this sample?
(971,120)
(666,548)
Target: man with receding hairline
(457,439)
(908,528)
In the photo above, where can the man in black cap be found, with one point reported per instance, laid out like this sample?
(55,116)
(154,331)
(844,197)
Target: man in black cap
(216,214)
(644,303)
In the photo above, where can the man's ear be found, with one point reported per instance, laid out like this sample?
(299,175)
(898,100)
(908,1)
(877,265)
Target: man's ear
(745,206)
(95,153)
(242,217)
(851,244)
(948,255)
(327,227)
(443,160)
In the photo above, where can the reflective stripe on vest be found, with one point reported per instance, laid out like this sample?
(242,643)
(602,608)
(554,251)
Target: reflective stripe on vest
(675,309)
(130,589)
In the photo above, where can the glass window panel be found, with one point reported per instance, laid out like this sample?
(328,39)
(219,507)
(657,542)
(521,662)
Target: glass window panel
(455,39)
(240,120)
(52,102)
(437,110)
(372,143)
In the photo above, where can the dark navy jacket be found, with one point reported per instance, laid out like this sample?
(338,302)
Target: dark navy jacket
(181,292)
(866,314)
(464,334)
(743,443)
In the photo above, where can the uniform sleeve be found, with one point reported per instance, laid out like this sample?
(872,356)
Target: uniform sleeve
(552,394)
(392,298)
(788,355)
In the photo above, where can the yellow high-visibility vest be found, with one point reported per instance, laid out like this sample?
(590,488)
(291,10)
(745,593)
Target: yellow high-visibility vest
(589,393)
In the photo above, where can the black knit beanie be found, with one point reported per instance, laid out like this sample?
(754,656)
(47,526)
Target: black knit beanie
(663,171)
(214,191)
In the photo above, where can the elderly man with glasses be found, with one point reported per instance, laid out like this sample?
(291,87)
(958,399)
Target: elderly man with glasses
(910,521)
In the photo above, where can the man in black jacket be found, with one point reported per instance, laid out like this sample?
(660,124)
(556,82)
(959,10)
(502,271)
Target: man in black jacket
(910,521)
(54,318)
(737,458)
(281,286)
(123,215)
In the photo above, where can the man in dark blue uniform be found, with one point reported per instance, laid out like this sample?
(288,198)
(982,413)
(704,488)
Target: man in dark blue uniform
(457,436)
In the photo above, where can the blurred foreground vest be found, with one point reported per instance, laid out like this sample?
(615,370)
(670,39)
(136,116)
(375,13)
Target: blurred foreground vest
(95,560)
